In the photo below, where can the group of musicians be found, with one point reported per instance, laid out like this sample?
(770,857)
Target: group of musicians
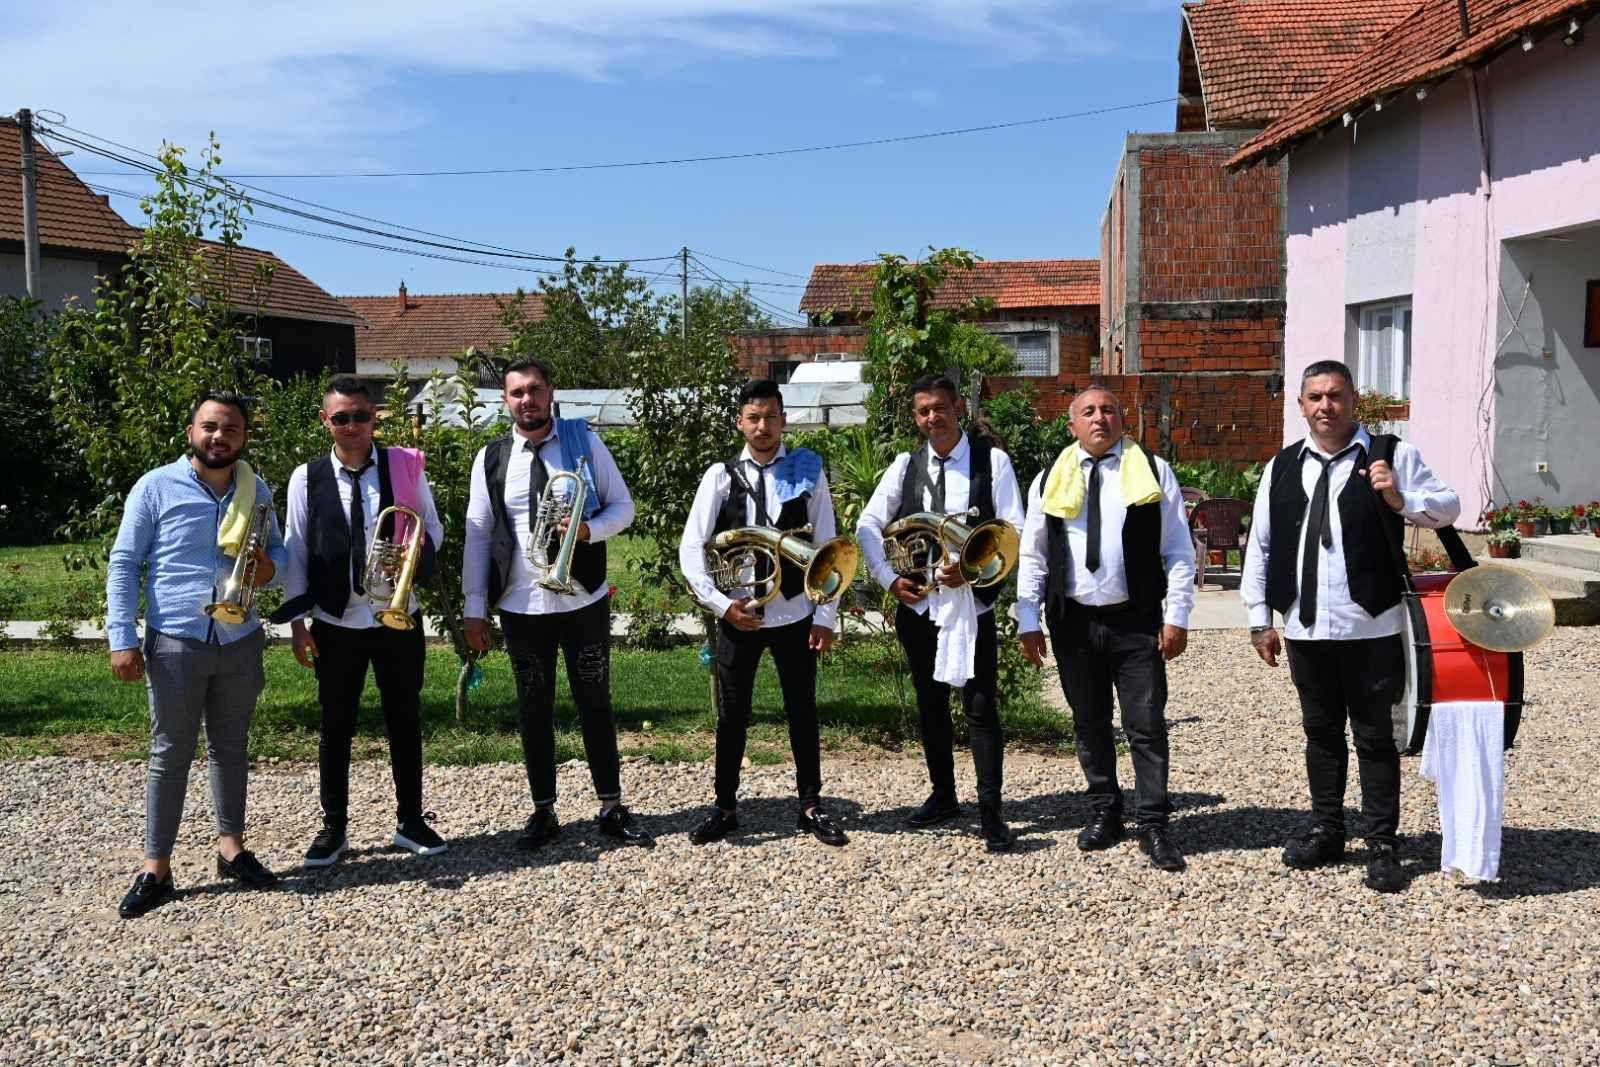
(1106,567)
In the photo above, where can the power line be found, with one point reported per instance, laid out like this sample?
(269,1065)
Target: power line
(723,157)
(729,287)
(751,266)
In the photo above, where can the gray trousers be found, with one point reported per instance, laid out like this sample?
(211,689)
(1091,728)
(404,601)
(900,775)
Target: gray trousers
(191,682)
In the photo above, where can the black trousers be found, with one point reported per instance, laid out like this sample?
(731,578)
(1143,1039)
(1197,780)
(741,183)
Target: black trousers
(583,638)
(1096,650)
(1356,681)
(919,636)
(396,658)
(738,656)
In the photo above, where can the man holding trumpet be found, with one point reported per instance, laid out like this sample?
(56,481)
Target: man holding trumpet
(335,504)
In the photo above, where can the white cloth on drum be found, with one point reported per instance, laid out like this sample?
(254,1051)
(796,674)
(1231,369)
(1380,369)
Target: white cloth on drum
(1464,755)
(955,611)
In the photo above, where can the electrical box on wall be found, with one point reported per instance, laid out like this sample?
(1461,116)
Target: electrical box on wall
(1541,467)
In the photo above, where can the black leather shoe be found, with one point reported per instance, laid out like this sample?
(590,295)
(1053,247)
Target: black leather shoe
(617,824)
(1383,869)
(997,836)
(817,823)
(1317,848)
(245,868)
(933,811)
(1103,831)
(1155,843)
(147,892)
(715,826)
(542,826)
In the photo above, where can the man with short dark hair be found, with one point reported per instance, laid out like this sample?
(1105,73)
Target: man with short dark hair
(183,527)
(765,485)
(503,568)
(334,502)
(1325,551)
(948,630)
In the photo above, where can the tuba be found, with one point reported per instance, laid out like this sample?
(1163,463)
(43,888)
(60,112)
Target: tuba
(391,568)
(827,568)
(916,545)
(239,591)
(554,507)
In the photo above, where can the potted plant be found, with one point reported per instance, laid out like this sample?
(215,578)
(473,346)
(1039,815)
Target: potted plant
(1580,518)
(1561,520)
(1493,518)
(1504,544)
(1525,516)
(1592,516)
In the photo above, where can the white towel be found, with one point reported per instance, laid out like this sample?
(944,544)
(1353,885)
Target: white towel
(955,612)
(1464,755)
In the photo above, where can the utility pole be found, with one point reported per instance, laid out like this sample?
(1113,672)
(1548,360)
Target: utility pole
(30,206)
(683,278)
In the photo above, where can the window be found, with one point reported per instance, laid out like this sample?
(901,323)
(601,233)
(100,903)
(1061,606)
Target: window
(781,370)
(1383,362)
(1034,345)
(259,347)
(1591,317)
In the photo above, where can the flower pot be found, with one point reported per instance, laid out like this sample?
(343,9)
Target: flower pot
(1560,526)
(1594,528)
(1217,557)
(1506,550)
(1527,528)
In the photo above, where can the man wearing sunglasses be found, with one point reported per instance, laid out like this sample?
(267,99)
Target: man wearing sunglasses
(333,503)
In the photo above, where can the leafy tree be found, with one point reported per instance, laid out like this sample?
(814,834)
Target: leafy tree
(42,482)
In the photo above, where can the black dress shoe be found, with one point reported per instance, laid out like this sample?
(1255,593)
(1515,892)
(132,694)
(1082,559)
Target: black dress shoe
(1317,848)
(617,824)
(817,823)
(542,826)
(245,868)
(715,826)
(997,836)
(147,892)
(1383,869)
(1103,831)
(933,811)
(1155,843)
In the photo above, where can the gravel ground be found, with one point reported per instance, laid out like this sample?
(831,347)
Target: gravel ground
(901,947)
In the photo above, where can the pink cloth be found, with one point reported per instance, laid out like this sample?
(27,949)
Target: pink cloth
(405,477)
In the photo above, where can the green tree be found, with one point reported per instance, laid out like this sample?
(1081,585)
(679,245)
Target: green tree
(42,481)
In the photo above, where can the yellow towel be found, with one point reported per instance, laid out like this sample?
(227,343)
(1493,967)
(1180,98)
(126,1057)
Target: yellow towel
(1064,489)
(236,523)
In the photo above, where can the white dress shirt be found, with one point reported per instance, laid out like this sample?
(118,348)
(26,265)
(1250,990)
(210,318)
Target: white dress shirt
(358,611)
(522,593)
(1427,502)
(1109,584)
(697,532)
(884,506)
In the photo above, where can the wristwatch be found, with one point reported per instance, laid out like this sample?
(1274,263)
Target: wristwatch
(1257,630)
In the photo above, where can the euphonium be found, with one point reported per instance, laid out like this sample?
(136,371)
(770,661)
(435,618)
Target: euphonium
(391,568)
(556,506)
(239,591)
(734,557)
(916,546)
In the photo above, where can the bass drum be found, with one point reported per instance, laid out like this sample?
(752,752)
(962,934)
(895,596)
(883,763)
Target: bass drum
(1442,667)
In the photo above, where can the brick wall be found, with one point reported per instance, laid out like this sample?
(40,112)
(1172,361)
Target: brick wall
(1233,344)
(1206,233)
(756,350)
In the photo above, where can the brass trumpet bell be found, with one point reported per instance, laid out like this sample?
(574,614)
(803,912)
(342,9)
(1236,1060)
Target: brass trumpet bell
(916,545)
(734,555)
(1499,608)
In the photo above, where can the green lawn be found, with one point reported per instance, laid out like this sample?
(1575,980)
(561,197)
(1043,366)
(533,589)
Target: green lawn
(66,702)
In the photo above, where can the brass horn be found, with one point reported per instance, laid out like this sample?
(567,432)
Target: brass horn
(391,569)
(239,591)
(556,506)
(918,544)
(1499,608)
(735,557)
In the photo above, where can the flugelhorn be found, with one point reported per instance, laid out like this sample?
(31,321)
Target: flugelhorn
(239,591)
(391,568)
(918,544)
(556,506)
(734,558)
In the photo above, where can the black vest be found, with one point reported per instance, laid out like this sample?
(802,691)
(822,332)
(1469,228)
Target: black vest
(980,492)
(588,559)
(793,515)
(1141,557)
(328,540)
(1374,578)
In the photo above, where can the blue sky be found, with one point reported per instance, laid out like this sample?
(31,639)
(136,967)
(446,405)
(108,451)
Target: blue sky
(298,87)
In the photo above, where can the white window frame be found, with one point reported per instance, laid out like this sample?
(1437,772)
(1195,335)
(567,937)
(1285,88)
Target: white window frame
(258,347)
(1010,330)
(1402,326)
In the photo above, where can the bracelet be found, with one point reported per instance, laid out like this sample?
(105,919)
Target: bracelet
(1258,630)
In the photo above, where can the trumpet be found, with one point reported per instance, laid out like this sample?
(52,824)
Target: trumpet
(239,591)
(916,545)
(733,554)
(554,508)
(391,568)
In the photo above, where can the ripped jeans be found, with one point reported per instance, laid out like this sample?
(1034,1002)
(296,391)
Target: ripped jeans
(584,640)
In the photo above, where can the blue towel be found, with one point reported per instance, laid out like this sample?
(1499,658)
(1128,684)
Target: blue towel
(796,474)
(573,437)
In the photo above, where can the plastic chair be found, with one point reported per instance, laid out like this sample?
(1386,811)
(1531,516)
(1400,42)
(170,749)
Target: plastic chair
(1219,523)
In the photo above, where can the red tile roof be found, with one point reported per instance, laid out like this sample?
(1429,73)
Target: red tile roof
(284,293)
(1010,283)
(1258,58)
(433,327)
(72,218)
(1426,46)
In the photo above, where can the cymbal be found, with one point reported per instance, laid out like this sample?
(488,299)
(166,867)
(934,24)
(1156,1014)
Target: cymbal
(1499,608)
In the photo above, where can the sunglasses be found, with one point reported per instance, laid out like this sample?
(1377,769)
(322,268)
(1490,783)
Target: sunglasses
(345,418)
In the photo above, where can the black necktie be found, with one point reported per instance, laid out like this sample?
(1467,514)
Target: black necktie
(1091,555)
(1319,535)
(536,479)
(358,528)
(937,496)
(761,493)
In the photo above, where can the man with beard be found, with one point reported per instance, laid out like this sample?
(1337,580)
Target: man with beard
(509,477)
(178,524)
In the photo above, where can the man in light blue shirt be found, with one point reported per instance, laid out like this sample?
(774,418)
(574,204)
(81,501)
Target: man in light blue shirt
(196,668)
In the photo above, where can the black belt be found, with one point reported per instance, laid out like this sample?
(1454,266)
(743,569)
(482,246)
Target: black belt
(1100,611)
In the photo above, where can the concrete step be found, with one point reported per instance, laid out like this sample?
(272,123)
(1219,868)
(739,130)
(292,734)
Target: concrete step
(1576,591)
(1580,551)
